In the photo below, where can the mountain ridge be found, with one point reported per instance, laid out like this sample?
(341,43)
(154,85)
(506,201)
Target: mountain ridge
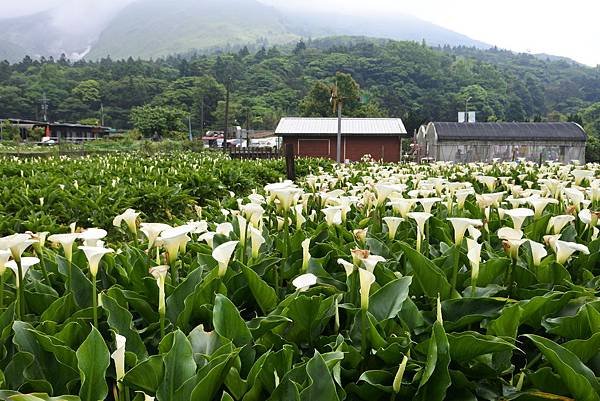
(157,28)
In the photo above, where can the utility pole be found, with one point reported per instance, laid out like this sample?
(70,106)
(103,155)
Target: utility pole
(337,101)
(44,101)
(248,127)
(225,132)
(467,109)
(190,126)
(339,133)
(101,114)
(202,116)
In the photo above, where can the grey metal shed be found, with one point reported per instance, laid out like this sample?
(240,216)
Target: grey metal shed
(473,142)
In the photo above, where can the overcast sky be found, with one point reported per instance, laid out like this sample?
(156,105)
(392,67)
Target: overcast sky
(566,28)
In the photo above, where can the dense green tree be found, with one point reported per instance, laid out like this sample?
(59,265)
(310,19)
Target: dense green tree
(398,79)
(157,120)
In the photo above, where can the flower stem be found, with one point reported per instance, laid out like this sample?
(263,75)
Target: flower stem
(20,291)
(2,291)
(455,271)
(69,276)
(175,270)
(44,270)
(162,325)
(363,335)
(95,302)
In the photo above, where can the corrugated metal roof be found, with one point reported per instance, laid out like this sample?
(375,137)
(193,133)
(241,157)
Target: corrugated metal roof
(350,126)
(510,131)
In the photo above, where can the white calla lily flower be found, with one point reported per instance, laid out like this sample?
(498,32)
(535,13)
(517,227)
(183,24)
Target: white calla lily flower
(222,254)
(392,223)
(257,240)
(557,223)
(461,225)
(129,216)
(118,356)
(4,257)
(26,264)
(17,244)
(421,218)
(348,267)
(92,236)
(565,249)
(224,229)
(66,241)
(152,231)
(160,274)
(94,254)
(208,237)
(538,252)
(333,215)
(366,279)
(518,216)
(304,282)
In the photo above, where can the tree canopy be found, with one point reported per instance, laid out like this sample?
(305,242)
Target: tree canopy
(397,79)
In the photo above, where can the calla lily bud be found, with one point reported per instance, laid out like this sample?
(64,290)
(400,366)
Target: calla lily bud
(348,267)
(257,240)
(360,235)
(222,254)
(439,310)
(474,256)
(160,274)
(305,254)
(366,281)
(300,219)
(538,252)
(242,224)
(40,239)
(119,357)
(400,375)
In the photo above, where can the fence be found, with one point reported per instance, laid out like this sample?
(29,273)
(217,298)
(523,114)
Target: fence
(254,153)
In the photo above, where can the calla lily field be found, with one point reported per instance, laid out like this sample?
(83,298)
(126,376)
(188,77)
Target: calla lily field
(195,277)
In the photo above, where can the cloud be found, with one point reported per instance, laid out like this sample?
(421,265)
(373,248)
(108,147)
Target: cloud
(85,16)
(550,26)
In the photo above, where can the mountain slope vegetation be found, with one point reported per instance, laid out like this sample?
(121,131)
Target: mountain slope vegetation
(404,79)
(157,28)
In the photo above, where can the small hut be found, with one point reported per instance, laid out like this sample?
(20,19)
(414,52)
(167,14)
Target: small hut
(475,142)
(381,138)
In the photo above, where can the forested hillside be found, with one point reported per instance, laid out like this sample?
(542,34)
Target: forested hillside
(403,79)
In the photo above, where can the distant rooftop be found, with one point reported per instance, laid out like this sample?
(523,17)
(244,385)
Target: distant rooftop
(309,126)
(510,131)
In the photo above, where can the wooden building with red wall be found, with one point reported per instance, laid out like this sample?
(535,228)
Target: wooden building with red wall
(317,137)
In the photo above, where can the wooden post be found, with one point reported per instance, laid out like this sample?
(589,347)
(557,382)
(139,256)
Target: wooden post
(289,162)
